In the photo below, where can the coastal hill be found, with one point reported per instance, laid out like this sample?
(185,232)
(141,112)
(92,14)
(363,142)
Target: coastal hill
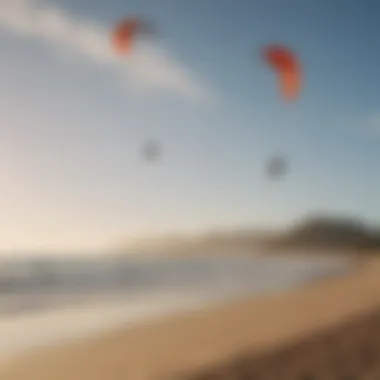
(330,232)
(311,232)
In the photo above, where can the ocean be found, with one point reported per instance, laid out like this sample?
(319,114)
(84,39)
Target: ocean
(49,302)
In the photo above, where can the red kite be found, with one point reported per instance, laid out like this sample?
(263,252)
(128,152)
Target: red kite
(124,34)
(288,69)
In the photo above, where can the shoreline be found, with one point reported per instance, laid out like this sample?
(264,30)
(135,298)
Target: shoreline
(207,337)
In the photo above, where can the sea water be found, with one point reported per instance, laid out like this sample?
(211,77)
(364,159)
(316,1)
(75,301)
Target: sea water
(70,299)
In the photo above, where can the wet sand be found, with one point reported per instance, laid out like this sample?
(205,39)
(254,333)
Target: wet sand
(209,338)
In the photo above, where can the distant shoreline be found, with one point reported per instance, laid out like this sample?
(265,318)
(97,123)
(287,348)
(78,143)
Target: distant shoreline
(209,337)
(309,284)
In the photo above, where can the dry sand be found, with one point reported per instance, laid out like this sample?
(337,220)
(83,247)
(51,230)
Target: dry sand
(201,339)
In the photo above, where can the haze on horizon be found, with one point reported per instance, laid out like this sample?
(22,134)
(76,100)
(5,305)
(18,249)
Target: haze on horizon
(74,116)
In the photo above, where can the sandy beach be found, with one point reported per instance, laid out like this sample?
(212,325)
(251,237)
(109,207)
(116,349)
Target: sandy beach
(199,340)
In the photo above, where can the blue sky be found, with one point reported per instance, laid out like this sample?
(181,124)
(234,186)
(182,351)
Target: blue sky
(73,117)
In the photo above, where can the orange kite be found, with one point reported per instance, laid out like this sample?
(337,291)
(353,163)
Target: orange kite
(124,34)
(288,69)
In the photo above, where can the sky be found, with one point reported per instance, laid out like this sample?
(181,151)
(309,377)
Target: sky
(74,115)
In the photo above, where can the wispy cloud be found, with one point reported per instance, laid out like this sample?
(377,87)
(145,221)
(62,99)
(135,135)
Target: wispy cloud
(151,67)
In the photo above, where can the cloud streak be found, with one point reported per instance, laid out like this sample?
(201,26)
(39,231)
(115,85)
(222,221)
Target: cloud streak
(149,68)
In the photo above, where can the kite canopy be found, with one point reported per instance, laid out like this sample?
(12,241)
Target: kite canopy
(276,167)
(151,151)
(288,69)
(125,33)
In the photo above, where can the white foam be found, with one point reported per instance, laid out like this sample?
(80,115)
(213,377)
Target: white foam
(67,315)
(57,326)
